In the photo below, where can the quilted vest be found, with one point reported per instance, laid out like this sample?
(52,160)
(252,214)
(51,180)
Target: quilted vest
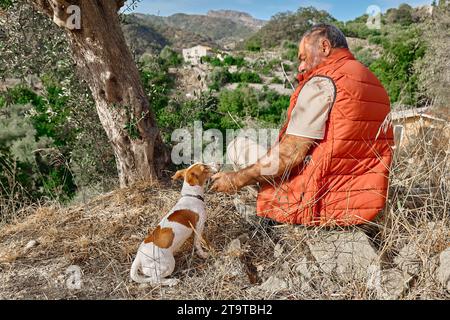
(345,179)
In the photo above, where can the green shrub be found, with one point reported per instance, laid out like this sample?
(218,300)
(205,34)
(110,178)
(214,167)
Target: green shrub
(33,142)
(365,56)
(170,57)
(276,80)
(5,4)
(219,77)
(247,77)
(227,61)
(232,61)
(267,106)
(395,68)
(253,44)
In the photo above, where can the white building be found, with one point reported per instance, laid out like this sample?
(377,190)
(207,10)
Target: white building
(193,55)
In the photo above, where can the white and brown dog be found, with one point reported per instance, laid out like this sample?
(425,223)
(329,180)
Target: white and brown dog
(155,256)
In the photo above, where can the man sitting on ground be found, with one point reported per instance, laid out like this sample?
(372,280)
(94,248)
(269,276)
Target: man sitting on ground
(331,163)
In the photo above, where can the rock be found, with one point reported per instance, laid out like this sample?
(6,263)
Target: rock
(234,248)
(444,269)
(278,251)
(408,259)
(414,257)
(285,269)
(31,244)
(392,284)
(230,263)
(273,284)
(305,269)
(346,254)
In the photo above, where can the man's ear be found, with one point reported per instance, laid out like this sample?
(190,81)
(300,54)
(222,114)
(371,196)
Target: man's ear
(179,175)
(325,47)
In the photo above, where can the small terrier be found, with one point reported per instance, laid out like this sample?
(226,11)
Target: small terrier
(155,256)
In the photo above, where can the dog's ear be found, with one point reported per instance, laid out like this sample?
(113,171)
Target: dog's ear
(179,175)
(192,178)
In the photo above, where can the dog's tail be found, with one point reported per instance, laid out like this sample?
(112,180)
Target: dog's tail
(135,276)
(134,271)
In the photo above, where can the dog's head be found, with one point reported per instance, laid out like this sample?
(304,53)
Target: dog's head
(197,174)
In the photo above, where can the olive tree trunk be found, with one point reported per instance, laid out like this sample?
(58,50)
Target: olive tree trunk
(105,62)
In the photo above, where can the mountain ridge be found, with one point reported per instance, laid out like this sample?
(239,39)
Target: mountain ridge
(217,29)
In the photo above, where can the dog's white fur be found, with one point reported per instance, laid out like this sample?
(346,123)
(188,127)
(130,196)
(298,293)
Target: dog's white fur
(156,263)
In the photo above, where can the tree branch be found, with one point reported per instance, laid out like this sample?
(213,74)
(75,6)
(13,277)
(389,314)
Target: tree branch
(120,4)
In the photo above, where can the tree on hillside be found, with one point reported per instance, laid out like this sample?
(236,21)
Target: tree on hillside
(104,61)
(287,26)
(402,15)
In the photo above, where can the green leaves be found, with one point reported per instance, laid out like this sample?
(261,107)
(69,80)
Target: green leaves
(30,127)
(286,26)
(395,68)
(244,103)
(5,4)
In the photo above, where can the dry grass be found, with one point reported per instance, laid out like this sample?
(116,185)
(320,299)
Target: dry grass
(102,236)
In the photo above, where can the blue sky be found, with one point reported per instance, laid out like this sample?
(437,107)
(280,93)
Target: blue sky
(264,9)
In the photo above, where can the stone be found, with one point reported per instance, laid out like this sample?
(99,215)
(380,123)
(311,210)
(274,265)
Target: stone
(230,263)
(278,251)
(273,284)
(285,269)
(231,267)
(443,271)
(31,244)
(234,248)
(305,269)
(392,285)
(408,259)
(345,254)
(414,258)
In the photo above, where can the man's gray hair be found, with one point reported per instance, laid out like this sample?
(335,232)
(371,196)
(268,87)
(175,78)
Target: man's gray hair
(330,32)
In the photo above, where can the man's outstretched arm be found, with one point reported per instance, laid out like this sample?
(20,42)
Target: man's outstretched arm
(279,161)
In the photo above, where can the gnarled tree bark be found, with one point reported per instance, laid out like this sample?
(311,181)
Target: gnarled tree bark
(105,62)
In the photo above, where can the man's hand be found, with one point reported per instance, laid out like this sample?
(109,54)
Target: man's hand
(289,153)
(226,182)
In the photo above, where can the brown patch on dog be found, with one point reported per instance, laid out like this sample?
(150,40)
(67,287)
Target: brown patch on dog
(161,237)
(198,174)
(179,174)
(187,218)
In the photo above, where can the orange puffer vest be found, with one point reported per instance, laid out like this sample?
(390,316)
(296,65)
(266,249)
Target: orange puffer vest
(346,179)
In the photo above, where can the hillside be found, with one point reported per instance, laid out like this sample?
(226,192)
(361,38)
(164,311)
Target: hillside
(146,35)
(216,28)
(238,17)
(150,33)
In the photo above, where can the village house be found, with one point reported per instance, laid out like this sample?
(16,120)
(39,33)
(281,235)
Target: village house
(193,55)
(410,124)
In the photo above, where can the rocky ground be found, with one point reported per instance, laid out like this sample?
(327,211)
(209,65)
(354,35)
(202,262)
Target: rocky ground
(85,252)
